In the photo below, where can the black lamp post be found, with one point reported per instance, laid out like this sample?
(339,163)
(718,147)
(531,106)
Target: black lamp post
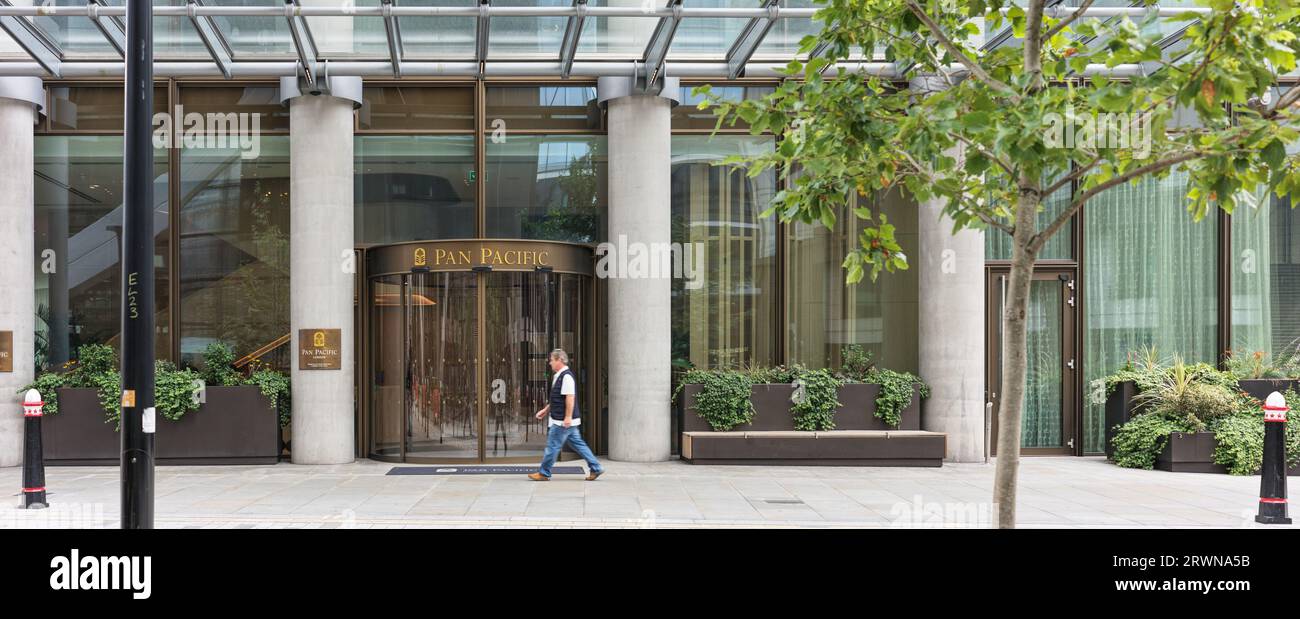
(138,273)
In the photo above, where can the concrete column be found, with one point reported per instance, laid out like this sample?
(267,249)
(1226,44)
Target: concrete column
(320,271)
(640,375)
(20,100)
(950,273)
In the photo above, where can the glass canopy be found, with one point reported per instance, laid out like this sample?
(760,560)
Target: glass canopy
(231,38)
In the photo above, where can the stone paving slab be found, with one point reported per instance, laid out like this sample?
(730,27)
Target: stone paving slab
(1054,492)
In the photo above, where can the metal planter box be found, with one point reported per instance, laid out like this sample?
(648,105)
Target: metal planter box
(237,425)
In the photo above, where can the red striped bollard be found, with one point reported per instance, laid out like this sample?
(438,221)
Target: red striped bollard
(33,457)
(1272,477)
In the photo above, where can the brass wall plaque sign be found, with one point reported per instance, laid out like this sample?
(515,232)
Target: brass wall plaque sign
(6,351)
(320,349)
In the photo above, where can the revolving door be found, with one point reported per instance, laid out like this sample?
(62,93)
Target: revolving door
(459,346)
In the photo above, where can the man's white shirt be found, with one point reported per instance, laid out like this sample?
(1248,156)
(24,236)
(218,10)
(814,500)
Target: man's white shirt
(567,388)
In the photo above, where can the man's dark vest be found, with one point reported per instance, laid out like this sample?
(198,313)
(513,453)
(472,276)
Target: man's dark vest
(557,400)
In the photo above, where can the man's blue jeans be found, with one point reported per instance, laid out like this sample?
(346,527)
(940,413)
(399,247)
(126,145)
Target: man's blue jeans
(556,436)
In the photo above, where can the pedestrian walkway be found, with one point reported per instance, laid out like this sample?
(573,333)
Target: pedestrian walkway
(1054,492)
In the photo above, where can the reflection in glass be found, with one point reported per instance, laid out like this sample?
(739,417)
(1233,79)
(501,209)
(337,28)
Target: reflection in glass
(235,249)
(688,115)
(93,108)
(543,107)
(547,187)
(725,318)
(530,315)
(388,365)
(826,314)
(409,109)
(442,365)
(414,188)
(78,200)
(247,110)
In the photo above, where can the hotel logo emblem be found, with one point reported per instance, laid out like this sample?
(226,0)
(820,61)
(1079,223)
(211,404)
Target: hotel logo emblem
(318,340)
(421,257)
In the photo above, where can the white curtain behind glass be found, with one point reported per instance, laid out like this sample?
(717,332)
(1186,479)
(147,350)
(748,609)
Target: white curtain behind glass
(1150,276)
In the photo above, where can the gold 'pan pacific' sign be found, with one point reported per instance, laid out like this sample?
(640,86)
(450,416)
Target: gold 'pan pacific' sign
(320,349)
(500,255)
(6,351)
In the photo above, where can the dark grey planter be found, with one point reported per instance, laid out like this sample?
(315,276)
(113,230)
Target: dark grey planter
(237,425)
(1189,453)
(1119,409)
(1259,388)
(857,410)
(1193,452)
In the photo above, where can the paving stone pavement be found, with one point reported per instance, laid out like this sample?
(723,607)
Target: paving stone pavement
(1054,492)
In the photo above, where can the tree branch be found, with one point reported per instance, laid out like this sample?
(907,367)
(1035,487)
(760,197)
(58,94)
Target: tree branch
(1071,18)
(944,41)
(1043,235)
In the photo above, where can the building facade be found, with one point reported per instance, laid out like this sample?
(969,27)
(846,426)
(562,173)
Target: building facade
(445,232)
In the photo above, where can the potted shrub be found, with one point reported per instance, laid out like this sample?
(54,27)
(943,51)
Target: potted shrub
(856,396)
(1260,373)
(214,415)
(1196,419)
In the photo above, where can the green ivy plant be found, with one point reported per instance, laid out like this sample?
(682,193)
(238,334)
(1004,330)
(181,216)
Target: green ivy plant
(1138,442)
(1240,437)
(815,409)
(895,393)
(723,401)
(95,368)
(173,392)
(896,388)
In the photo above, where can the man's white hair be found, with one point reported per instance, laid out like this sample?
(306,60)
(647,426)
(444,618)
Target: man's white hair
(559,353)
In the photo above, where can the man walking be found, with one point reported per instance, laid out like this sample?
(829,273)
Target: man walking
(565,419)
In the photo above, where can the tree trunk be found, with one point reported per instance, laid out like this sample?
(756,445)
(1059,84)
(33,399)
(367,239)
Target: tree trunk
(1015,361)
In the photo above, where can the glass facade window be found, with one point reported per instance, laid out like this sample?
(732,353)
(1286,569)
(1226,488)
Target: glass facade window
(688,115)
(234,248)
(542,107)
(417,109)
(725,314)
(438,37)
(348,36)
(552,188)
(254,108)
(620,36)
(1266,276)
(414,187)
(826,314)
(1150,280)
(92,108)
(78,200)
(998,244)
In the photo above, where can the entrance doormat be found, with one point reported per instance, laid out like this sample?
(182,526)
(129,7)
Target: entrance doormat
(480,470)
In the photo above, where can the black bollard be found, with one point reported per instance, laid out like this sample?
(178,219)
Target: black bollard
(1272,480)
(33,456)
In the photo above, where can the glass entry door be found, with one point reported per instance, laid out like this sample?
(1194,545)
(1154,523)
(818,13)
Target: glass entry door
(459,361)
(1048,418)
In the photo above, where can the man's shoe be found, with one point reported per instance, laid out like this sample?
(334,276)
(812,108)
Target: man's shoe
(538,477)
(594,474)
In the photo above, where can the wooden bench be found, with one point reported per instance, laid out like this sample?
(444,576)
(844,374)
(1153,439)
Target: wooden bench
(835,447)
